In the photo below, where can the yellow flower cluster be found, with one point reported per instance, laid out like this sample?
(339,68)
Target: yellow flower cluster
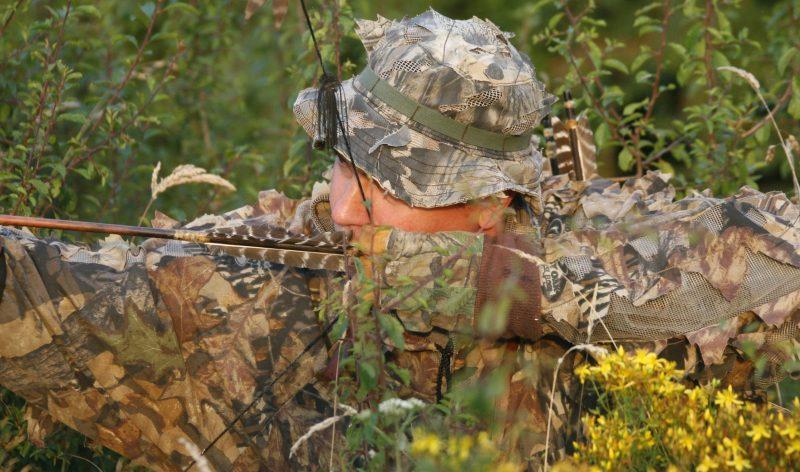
(647,419)
(458,453)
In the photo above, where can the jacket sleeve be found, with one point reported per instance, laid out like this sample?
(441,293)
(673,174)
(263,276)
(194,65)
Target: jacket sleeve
(139,347)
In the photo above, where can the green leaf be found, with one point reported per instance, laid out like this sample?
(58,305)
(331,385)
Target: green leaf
(553,22)
(719,60)
(649,29)
(640,60)
(40,186)
(785,59)
(595,54)
(685,72)
(762,135)
(632,107)
(182,7)
(87,10)
(394,329)
(602,135)
(794,106)
(625,160)
(642,20)
(72,118)
(616,64)
(678,48)
(368,374)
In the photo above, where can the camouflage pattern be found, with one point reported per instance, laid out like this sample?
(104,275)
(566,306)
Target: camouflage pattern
(712,284)
(465,69)
(137,347)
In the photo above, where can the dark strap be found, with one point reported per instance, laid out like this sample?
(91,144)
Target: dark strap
(445,371)
(498,264)
(439,122)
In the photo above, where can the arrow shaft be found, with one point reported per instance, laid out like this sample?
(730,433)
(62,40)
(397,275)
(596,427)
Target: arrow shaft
(298,255)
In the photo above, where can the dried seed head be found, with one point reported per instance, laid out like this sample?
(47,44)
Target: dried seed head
(185,174)
(792,143)
(750,78)
(770,154)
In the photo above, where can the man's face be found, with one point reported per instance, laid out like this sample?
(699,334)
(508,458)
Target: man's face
(348,212)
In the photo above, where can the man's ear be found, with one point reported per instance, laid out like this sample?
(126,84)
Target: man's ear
(490,214)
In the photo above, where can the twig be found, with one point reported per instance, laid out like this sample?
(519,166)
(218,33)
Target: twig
(787,95)
(754,84)
(663,151)
(10,17)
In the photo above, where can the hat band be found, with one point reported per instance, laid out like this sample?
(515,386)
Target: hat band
(439,122)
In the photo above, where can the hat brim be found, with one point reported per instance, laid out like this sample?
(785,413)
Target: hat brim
(417,165)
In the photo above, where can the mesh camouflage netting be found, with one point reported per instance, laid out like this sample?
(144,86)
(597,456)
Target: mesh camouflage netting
(696,304)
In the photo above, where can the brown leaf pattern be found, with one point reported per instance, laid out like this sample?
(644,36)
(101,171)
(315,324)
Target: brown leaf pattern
(139,348)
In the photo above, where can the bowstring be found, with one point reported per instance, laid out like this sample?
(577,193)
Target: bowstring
(340,109)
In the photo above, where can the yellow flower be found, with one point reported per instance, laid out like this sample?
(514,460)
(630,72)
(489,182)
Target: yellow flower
(464,447)
(758,432)
(727,399)
(583,372)
(739,463)
(695,394)
(707,464)
(687,442)
(794,446)
(426,444)
(645,358)
(507,467)
(790,430)
(604,369)
(484,442)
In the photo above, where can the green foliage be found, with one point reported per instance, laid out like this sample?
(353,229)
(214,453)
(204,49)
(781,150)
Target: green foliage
(649,80)
(93,94)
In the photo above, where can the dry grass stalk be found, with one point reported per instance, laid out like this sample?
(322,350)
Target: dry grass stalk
(196,455)
(751,79)
(592,349)
(324,424)
(183,174)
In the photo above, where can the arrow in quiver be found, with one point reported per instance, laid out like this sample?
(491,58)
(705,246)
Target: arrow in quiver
(569,146)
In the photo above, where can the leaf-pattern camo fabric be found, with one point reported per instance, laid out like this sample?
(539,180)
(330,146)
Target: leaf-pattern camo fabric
(465,69)
(138,347)
(700,281)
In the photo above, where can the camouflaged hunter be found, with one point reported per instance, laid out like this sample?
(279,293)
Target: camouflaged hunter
(138,347)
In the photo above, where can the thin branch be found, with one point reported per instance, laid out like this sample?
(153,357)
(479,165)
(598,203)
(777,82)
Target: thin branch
(657,156)
(787,95)
(10,17)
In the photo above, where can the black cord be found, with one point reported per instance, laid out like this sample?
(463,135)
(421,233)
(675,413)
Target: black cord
(445,372)
(327,79)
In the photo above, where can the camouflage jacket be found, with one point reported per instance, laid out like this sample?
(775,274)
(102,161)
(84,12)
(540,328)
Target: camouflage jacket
(139,347)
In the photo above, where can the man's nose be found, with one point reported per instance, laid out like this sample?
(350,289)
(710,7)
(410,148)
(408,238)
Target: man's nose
(347,207)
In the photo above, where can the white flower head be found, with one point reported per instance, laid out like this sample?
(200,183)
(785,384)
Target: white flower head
(398,406)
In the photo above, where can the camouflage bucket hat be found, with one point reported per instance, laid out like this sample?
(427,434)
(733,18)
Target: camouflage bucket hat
(443,112)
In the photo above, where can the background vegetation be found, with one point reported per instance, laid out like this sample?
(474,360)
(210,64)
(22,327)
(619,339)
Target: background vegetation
(93,94)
